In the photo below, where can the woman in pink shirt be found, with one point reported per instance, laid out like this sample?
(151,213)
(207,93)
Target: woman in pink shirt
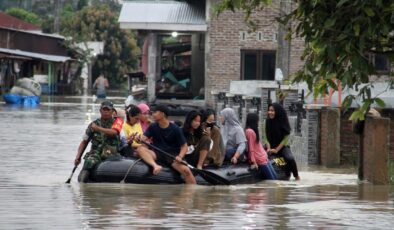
(256,154)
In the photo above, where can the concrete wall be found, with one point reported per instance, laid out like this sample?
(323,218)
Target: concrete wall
(313,135)
(299,142)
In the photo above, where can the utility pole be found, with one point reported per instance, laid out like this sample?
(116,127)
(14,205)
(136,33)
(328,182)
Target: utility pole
(56,23)
(283,54)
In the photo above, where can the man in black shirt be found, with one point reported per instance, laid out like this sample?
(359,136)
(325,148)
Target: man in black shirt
(168,137)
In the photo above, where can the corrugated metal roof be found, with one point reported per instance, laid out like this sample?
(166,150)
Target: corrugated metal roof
(47,57)
(35,32)
(163,15)
(15,23)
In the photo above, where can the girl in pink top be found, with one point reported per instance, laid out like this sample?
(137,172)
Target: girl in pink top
(256,154)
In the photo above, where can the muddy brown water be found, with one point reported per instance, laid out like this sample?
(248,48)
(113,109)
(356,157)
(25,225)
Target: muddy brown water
(38,146)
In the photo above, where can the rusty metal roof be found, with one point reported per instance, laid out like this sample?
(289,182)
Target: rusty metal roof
(9,21)
(163,16)
(46,57)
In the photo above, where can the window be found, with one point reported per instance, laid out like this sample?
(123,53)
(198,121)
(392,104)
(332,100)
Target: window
(242,36)
(381,63)
(259,36)
(258,64)
(182,64)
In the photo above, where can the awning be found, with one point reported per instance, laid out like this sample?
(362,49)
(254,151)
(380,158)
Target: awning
(163,16)
(15,53)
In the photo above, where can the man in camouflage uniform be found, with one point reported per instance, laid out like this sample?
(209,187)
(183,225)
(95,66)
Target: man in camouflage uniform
(104,135)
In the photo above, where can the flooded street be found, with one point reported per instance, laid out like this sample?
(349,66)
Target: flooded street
(38,147)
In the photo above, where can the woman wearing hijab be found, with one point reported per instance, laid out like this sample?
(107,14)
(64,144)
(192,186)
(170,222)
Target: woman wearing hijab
(277,129)
(233,136)
(144,116)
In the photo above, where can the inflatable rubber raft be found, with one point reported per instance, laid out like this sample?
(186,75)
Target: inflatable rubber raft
(134,170)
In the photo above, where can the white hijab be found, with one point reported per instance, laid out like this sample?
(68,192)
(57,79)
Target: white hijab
(232,132)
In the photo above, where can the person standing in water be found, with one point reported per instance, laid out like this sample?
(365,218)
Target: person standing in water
(103,133)
(101,84)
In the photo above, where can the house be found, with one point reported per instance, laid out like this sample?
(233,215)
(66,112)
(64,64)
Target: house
(190,53)
(11,22)
(27,52)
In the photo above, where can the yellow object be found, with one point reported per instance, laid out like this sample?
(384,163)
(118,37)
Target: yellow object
(131,129)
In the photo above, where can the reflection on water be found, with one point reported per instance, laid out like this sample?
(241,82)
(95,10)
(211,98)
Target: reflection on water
(277,205)
(38,146)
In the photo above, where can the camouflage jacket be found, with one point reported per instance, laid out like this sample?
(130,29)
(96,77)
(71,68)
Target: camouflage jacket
(98,139)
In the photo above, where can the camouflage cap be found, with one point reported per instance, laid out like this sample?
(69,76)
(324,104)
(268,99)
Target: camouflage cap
(107,104)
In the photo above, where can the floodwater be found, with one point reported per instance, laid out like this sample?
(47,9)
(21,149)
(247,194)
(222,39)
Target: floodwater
(38,146)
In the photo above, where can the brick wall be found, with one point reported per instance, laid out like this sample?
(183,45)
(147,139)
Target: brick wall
(330,137)
(224,56)
(389,113)
(376,150)
(296,50)
(349,141)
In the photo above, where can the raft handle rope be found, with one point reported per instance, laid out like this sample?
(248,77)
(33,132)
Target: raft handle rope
(128,171)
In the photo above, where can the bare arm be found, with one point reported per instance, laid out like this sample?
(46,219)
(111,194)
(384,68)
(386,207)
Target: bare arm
(81,149)
(182,153)
(139,138)
(240,149)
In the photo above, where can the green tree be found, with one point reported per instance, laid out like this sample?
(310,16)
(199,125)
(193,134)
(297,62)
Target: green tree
(5,4)
(99,23)
(340,36)
(112,4)
(81,4)
(24,15)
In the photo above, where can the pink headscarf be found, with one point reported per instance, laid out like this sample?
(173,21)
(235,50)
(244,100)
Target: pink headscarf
(143,107)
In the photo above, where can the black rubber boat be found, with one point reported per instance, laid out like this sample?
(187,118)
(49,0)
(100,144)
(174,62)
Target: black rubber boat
(114,171)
